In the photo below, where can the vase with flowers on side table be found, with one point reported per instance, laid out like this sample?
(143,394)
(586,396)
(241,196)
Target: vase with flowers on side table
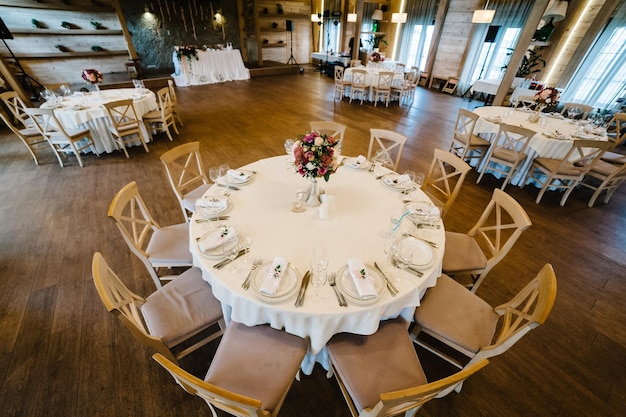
(314,157)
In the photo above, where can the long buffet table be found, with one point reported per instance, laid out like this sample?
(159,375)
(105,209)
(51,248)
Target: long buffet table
(210,67)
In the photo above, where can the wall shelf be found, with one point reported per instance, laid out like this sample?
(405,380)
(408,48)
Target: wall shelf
(61,55)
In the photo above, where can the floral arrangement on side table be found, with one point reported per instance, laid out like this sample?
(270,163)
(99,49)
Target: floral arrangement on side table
(376,57)
(314,157)
(547,97)
(189,51)
(92,76)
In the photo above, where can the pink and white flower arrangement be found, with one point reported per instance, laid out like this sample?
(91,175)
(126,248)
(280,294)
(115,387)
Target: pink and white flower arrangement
(92,76)
(314,155)
(376,57)
(548,96)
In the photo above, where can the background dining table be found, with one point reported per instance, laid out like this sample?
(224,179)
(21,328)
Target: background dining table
(211,66)
(553,138)
(356,227)
(86,111)
(371,76)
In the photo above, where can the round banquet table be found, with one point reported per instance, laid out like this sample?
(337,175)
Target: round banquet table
(86,111)
(355,228)
(553,140)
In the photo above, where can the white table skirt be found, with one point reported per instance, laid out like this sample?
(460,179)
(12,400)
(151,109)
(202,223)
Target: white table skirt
(321,56)
(539,145)
(357,228)
(210,67)
(86,111)
(371,78)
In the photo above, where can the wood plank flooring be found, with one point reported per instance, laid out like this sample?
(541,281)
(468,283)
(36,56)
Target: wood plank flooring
(63,354)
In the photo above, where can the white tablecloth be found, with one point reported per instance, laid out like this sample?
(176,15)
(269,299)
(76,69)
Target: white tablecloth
(210,67)
(321,56)
(371,78)
(86,111)
(539,145)
(357,227)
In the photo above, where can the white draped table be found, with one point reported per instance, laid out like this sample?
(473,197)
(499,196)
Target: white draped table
(356,228)
(86,111)
(371,77)
(210,67)
(553,140)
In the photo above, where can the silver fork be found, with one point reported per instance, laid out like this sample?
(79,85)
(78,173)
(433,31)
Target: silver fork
(340,298)
(246,283)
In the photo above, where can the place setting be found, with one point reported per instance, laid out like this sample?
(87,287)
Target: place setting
(274,282)
(224,176)
(359,163)
(360,283)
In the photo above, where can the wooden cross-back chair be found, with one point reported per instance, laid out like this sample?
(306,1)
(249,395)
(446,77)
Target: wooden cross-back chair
(156,246)
(604,176)
(507,151)
(341,85)
(185,172)
(469,325)
(17,107)
(464,141)
(167,318)
(565,174)
(488,241)
(31,137)
(387,141)
(174,99)
(125,124)
(444,179)
(615,131)
(584,107)
(359,84)
(382,88)
(161,119)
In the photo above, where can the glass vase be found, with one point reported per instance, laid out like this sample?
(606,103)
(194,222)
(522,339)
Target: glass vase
(313,199)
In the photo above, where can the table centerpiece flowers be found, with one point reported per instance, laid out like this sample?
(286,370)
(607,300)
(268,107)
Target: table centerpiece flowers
(546,97)
(92,76)
(376,58)
(314,157)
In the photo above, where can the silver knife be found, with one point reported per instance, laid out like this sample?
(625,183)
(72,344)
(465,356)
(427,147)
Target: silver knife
(303,286)
(222,264)
(212,219)
(430,242)
(392,289)
(230,187)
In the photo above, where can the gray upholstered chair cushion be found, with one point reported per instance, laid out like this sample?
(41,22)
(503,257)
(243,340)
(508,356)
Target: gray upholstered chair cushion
(170,245)
(372,365)
(181,308)
(258,362)
(452,312)
(462,253)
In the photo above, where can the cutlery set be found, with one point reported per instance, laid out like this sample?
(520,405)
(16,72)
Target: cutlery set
(333,284)
(431,243)
(303,287)
(223,263)
(392,288)
(246,283)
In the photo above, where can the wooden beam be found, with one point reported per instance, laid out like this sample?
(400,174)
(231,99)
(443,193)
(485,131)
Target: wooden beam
(440,18)
(127,36)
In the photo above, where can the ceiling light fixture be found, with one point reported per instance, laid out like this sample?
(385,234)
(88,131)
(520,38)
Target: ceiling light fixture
(483,15)
(378,15)
(351,17)
(398,17)
(556,11)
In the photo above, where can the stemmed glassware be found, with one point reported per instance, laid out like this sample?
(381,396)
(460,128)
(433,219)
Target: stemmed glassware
(289,149)
(319,264)
(223,171)
(245,242)
(230,250)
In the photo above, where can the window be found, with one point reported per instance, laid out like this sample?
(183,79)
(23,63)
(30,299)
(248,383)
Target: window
(420,45)
(494,56)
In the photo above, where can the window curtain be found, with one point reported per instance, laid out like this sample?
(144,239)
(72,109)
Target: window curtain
(367,22)
(419,13)
(509,14)
(601,78)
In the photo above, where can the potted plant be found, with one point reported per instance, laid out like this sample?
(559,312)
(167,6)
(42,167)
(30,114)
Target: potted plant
(375,41)
(529,64)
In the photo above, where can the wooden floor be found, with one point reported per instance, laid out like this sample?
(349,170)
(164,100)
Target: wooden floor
(63,354)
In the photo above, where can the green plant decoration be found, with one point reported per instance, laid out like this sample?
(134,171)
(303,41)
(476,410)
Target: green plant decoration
(66,25)
(97,48)
(96,24)
(530,63)
(375,40)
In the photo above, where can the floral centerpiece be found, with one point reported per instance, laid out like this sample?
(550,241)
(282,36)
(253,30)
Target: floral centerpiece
(546,97)
(92,76)
(189,51)
(376,57)
(314,157)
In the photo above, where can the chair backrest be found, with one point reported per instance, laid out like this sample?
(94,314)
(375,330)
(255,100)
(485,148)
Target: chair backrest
(29,140)
(16,106)
(399,402)
(583,154)
(398,68)
(526,101)
(339,74)
(358,78)
(355,62)
(442,182)
(617,122)
(134,221)
(124,304)
(384,80)
(218,397)
(465,124)
(514,139)
(48,124)
(584,107)
(184,169)
(501,224)
(387,141)
(173,98)
(450,85)
(122,114)
(165,100)
(334,129)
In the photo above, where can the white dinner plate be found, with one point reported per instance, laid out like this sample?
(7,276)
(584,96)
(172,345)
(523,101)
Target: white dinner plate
(234,181)
(389,179)
(346,285)
(423,253)
(205,212)
(218,252)
(418,210)
(353,164)
(287,288)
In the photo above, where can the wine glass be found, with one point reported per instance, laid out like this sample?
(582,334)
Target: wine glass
(214,174)
(319,263)
(230,250)
(403,256)
(288,146)
(245,242)
(223,171)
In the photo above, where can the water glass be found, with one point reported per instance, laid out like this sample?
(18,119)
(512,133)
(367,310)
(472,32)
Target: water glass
(223,171)
(319,263)
(419,179)
(214,174)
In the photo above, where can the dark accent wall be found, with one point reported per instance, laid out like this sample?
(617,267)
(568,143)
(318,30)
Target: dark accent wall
(174,22)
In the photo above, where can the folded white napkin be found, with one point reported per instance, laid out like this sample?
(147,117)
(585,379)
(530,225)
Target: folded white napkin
(217,238)
(217,203)
(238,175)
(363,282)
(275,273)
(399,180)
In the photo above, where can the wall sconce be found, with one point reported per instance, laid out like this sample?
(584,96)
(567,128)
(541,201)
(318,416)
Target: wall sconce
(398,17)
(378,15)
(483,15)
(556,11)
(351,17)
(316,18)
